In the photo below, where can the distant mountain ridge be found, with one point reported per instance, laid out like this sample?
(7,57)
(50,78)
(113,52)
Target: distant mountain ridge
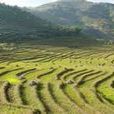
(97,17)
(17,25)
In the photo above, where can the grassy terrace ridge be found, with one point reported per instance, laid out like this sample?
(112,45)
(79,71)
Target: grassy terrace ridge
(40,79)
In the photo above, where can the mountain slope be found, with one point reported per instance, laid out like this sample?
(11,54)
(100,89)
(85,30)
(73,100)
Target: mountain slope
(17,25)
(88,15)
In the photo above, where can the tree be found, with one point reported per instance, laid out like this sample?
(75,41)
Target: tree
(78,30)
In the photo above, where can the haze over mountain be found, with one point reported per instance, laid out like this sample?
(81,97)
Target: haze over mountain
(78,24)
(18,25)
(95,18)
(33,3)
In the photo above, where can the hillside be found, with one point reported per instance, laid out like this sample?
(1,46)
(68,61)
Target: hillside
(19,25)
(96,19)
(16,24)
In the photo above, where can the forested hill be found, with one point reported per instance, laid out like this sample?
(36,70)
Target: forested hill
(95,18)
(19,25)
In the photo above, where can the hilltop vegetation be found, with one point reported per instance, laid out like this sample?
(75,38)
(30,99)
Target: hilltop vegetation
(17,25)
(96,19)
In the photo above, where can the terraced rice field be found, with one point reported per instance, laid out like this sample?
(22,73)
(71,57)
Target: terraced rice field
(57,80)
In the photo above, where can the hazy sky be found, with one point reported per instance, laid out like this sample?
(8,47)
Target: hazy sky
(39,2)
